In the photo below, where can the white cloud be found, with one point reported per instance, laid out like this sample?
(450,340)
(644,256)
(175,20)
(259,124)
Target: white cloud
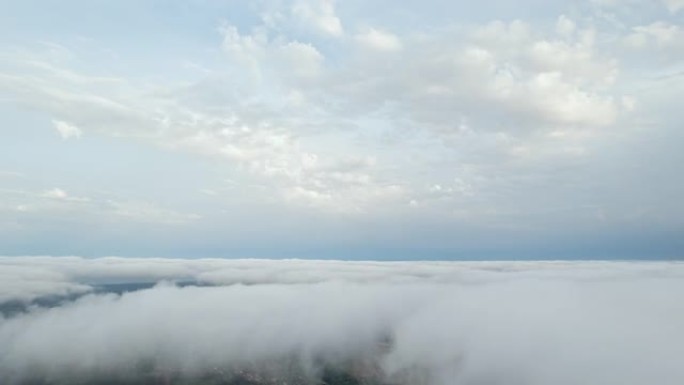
(674,6)
(379,40)
(66,130)
(565,26)
(304,60)
(320,15)
(660,34)
(61,195)
(56,193)
(436,323)
(147,212)
(10,174)
(101,208)
(19,282)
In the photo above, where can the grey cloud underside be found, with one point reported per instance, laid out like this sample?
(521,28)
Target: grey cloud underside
(393,323)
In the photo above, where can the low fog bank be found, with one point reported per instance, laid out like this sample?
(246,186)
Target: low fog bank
(432,323)
(26,279)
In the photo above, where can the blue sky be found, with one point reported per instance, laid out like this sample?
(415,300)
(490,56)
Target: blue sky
(348,129)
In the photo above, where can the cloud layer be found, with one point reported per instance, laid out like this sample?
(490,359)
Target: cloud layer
(430,323)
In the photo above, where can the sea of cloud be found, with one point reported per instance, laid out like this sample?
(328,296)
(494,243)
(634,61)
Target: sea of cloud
(433,323)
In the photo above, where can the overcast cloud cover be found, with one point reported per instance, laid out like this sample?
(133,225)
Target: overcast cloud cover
(354,129)
(446,322)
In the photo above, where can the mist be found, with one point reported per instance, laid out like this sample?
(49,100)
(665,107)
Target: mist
(432,323)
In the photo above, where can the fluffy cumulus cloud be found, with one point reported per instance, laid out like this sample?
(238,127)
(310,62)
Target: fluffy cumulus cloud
(397,323)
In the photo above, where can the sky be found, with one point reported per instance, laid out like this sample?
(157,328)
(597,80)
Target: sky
(342,129)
